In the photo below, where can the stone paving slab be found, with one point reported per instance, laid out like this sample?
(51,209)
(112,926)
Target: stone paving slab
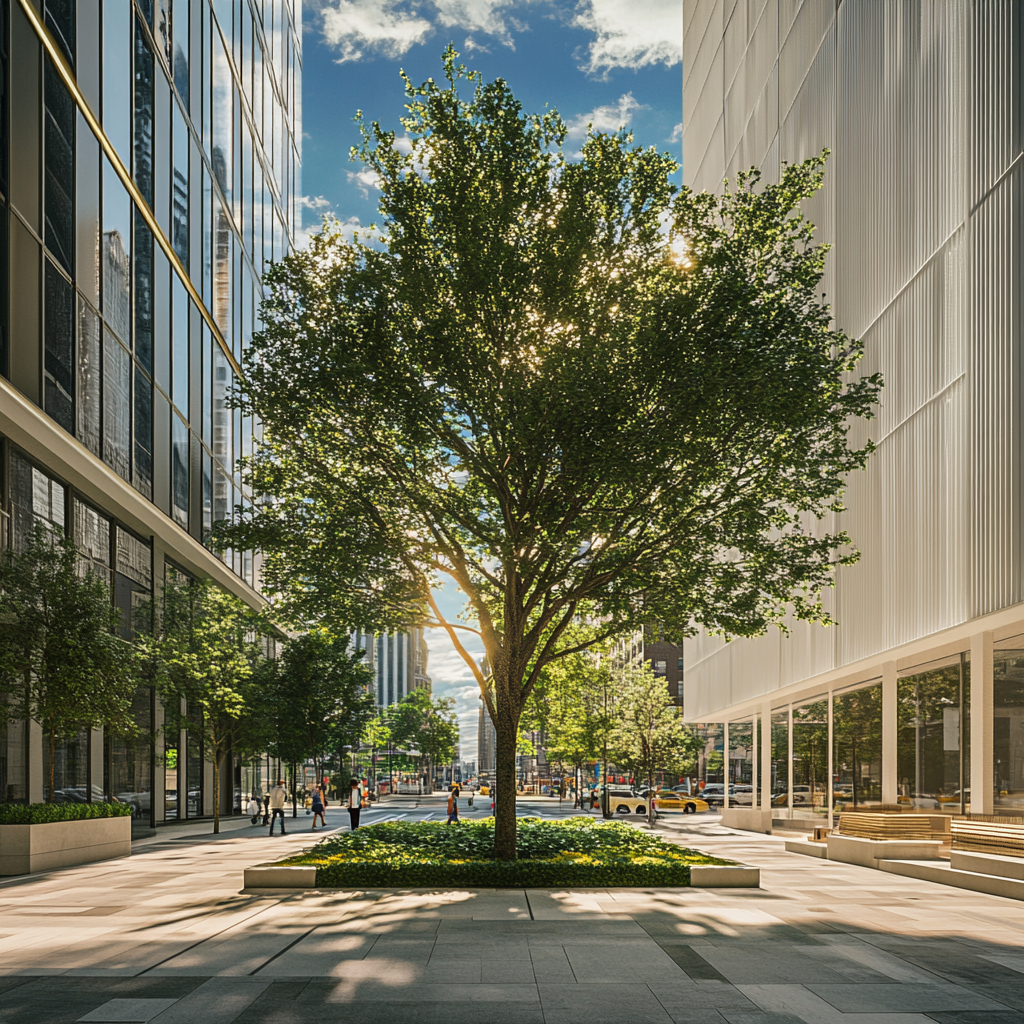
(819,943)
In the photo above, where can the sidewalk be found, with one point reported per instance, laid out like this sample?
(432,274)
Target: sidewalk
(822,943)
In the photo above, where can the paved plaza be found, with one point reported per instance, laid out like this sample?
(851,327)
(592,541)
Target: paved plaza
(170,936)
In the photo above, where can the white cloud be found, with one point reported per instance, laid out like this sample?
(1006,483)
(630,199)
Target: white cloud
(609,118)
(358,26)
(365,179)
(485,16)
(677,133)
(348,228)
(316,203)
(631,33)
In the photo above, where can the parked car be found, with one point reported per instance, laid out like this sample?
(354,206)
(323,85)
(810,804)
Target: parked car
(624,801)
(669,800)
(714,793)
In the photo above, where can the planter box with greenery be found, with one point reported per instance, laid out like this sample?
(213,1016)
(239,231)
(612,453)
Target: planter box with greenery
(39,837)
(578,852)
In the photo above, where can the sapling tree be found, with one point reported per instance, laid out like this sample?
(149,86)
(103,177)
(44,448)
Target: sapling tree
(556,381)
(62,660)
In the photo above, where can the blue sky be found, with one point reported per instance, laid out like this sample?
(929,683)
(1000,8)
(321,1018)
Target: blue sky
(609,62)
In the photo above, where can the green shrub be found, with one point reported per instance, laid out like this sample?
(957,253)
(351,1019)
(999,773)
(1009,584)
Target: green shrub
(578,852)
(44,814)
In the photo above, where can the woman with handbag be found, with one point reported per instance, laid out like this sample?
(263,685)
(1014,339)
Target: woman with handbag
(318,808)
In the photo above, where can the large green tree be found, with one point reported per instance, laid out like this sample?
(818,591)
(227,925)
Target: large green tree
(315,698)
(554,381)
(204,653)
(62,660)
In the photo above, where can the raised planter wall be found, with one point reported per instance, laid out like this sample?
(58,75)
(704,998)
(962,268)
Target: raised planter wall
(750,819)
(60,844)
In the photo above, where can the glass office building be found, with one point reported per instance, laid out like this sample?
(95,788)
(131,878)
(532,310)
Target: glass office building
(149,168)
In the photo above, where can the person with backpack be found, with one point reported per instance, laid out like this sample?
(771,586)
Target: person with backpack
(318,808)
(453,805)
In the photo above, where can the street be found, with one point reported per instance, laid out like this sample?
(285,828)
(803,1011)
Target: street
(170,936)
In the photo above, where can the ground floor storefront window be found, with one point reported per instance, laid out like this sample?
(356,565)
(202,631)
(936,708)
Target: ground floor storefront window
(809,795)
(933,737)
(742,759)
(780,762)
(857,748)
(1008,725)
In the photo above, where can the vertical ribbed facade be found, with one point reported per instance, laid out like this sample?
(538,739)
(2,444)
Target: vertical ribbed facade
(921,106)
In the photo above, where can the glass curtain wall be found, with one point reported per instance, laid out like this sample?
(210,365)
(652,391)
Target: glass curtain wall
(809,796)
(170,763)
(741,763)
(780,763)
(14,763)
(127,761)
(1008,725)
(195,767)
(857,748)
(69,775)
(933,726)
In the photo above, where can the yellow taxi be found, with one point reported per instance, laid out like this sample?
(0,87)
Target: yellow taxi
(669,800)
(484,790)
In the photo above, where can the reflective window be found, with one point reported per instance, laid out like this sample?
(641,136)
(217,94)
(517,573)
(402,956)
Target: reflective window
(60,20)
(207,425)
(222,442)
(144,71)
(143,293)
(142,468)
(857,748)
(179,187)
(179,342)
(179,471)
(117,82)
(117,376)
(222,267)
(194,765)
(69,770)
(933,726)
(207,496)
(780,762)
(60,169)
(162,29)
(59,337)
(92,537)
(741,763)
(89,377)
(35,498)
(127,766)
(116,257)
(133,581)
(180,32)
(809,795)
(223,118)
(170,770)
(1008,725)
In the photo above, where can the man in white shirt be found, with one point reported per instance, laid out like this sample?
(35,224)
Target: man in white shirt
(355,801)
(278,797)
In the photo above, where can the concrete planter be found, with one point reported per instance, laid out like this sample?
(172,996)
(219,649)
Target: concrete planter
(280,876)
(868,852)
(60,844)
(725,876)
(750,819)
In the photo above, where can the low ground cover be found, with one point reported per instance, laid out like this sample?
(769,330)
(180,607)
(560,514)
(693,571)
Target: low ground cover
(44,814)
(574,852)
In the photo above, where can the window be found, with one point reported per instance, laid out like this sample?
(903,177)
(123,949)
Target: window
(1008,725)
(116,255)
(144,71)
(117,409)
(857,748)
(179,65)
(179,345)
(117,83)
(179,471)
(809,797)
(143,293)
(933,726)
(92,537)
(60,20)
(660,668)
(35,498)
(59,336)
(89,377)
(142,423)
(60,170)
(179,186)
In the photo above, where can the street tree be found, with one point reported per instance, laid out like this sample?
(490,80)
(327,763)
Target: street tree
(315,698)
(63,662)
(426,724)
(553,379)
(650,736)
(204,652)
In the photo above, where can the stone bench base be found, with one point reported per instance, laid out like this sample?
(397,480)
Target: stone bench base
(868,852)
(807,848)
(988,864)
(25,849)
(725,876)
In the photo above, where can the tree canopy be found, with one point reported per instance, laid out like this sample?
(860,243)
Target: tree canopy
(557,381)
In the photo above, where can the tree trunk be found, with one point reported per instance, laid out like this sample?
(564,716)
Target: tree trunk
(216,789)
(506,728)
(606,810)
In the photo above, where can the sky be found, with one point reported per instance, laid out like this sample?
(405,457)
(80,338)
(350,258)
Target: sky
(610,63)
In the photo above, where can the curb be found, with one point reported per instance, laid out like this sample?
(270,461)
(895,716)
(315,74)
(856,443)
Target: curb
(725,876)
(280,876)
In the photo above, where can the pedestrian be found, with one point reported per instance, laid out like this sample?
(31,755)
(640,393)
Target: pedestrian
(266,808)
(355,801)
(318,808)
(278,797)
(453,805)
(253,808)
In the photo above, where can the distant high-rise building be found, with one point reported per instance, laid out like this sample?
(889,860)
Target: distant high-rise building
(399,663)
(486,741)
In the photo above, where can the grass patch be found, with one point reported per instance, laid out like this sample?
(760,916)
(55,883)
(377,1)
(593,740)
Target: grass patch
(577,852)
(45,814)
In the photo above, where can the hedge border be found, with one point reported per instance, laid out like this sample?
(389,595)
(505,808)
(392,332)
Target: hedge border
(516,874)
(48,814)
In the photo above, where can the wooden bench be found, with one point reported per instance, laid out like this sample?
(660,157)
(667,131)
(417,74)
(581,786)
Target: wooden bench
(868,825)
(1001,838)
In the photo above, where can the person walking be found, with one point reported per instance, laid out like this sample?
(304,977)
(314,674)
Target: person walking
(355,802)
(453,805)
(254,807)
(318,808)
(277,800)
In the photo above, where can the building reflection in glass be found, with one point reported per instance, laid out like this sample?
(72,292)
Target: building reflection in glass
(857,748)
